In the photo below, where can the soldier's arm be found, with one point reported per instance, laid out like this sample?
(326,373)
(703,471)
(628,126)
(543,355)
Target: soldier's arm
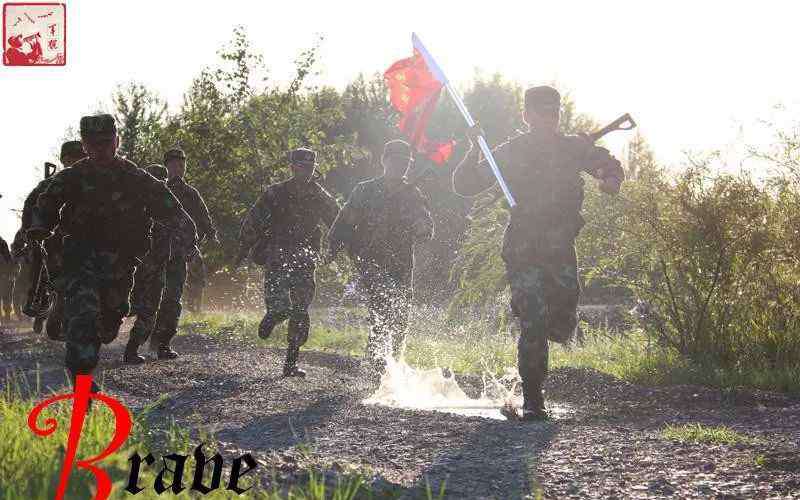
(329,207)
(600,164)
(343,226)
(44,216)
(30,204)
(254,223)
(165,208)
(473,175)
(202,217)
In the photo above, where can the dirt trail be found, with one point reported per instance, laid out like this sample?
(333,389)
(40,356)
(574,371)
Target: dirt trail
(605,443)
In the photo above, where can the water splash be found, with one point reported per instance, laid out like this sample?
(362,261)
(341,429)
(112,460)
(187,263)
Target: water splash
(403,386)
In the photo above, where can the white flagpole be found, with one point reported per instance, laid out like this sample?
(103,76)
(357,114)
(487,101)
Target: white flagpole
(487,153)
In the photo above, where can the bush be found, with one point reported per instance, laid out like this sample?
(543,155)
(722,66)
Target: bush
(711,256)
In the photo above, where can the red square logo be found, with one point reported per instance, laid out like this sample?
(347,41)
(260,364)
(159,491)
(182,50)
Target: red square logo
(34,34)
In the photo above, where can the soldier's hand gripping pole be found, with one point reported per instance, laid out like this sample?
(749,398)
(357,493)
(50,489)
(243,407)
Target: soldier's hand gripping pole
(459,103)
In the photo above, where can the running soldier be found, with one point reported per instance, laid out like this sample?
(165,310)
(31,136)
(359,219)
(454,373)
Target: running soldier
(150,278)
(43,263)
(543,169)
(380,224)
(282,232)
(170,311)
(104,205)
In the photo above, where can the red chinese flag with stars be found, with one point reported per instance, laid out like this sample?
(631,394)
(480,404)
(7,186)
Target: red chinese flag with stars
(413,92)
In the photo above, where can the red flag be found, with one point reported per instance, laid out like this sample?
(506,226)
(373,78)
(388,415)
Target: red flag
(413,92)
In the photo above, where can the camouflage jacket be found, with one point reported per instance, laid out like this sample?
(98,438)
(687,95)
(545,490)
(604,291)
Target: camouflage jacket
(109,207)
(27,213)
(166,243)
(383,226)
(544,175)
(285,222)
(194,205)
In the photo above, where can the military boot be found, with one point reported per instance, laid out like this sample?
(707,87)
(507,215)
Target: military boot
(290,368)
(533,404)
(265,327)
(166,352)
(132,356)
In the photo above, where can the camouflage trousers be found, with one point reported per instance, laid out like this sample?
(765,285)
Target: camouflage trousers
(169,312)
(146,297)
(388,301)
(288,293)
(544,296)
(96,285)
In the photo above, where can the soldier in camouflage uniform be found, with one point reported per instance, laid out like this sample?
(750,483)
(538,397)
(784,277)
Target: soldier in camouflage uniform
(7,271)
(543,170)
(380,224)
(150,278)
(105,205)
(170,312)
(43,297)
(284,227)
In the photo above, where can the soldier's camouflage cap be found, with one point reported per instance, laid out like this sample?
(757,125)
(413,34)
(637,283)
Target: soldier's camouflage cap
(98,126)
(158,171)
(71,149)
(303,157)
(543,98)
(174,153)
(398,147)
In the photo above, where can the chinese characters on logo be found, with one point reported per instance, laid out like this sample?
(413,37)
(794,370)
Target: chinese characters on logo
(34,34)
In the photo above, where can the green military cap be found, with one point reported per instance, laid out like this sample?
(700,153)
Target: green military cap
(543,97)
(98,125)
(303,157)
(174,153)
(72,149)
(397,147)
(157,171)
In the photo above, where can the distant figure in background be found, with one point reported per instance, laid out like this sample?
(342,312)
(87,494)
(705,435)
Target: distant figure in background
(170,311)
(7,272)
(24,265)
(150,278)
(283,231)
(196,279)
(380,224)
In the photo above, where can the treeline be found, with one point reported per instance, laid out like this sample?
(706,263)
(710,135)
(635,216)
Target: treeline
(711,257)
(236,126)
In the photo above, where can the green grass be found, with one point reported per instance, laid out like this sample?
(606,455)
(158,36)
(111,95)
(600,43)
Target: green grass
(30,465)
(702,434)
(474,347)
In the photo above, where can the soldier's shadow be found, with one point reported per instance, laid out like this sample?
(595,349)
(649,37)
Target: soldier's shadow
(497,460)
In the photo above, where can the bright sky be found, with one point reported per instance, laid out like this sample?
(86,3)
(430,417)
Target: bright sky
(695,75)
